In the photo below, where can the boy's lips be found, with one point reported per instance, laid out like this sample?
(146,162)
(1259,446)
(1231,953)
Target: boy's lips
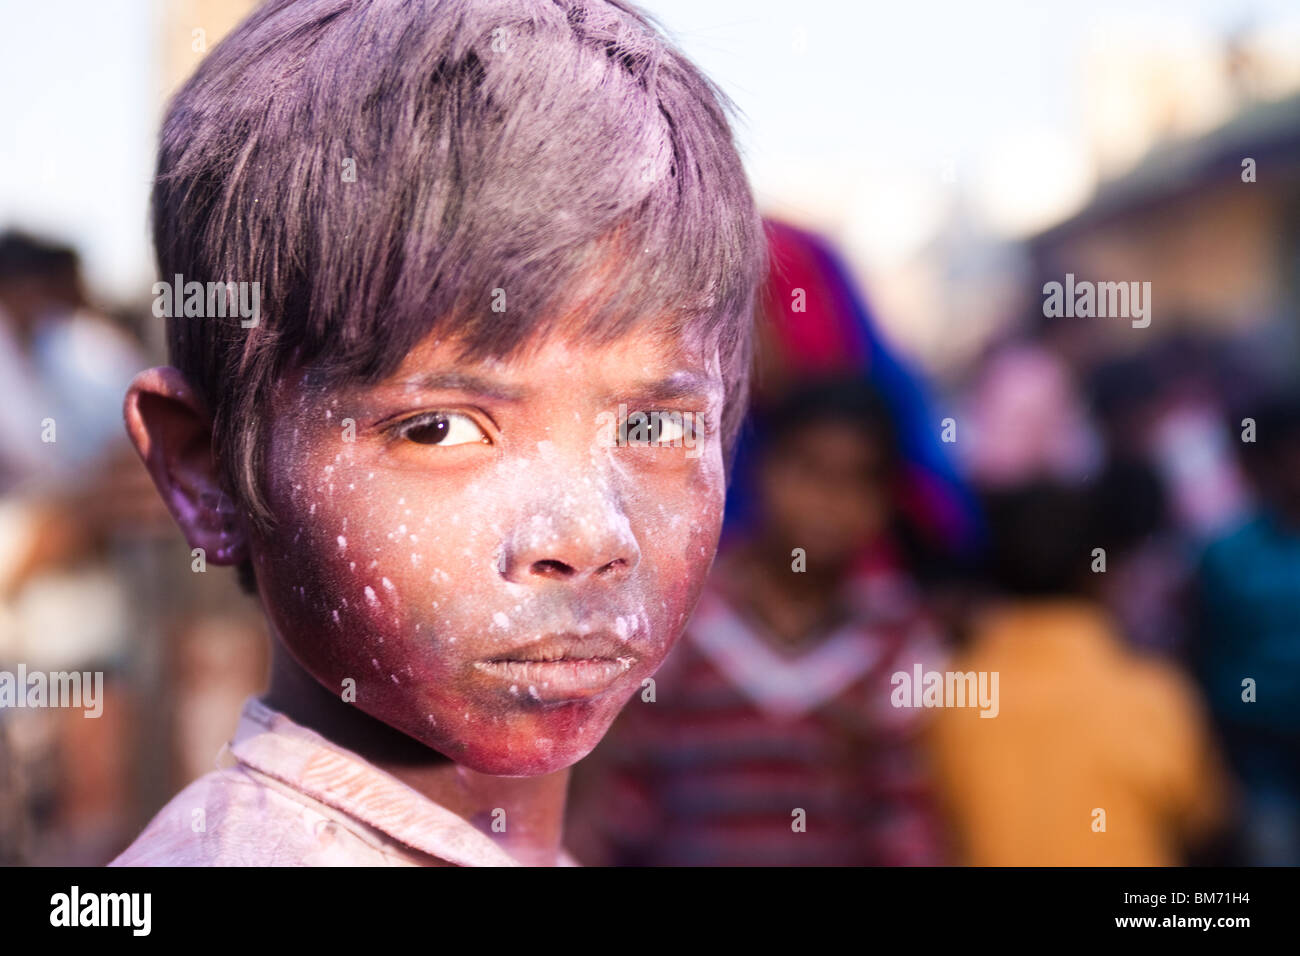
(562,666)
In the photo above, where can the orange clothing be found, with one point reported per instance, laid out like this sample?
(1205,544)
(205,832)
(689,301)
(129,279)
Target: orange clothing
(1084,725)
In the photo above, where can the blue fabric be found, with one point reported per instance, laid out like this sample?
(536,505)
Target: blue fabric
(1250,625)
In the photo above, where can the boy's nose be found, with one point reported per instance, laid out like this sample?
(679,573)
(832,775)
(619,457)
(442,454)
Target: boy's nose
(575,538)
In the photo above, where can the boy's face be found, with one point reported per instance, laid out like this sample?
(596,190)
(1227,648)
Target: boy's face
(469,544)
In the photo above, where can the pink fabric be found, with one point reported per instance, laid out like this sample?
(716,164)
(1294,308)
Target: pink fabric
(285,796)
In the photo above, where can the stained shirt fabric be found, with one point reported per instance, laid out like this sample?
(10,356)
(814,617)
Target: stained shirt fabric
(283,795)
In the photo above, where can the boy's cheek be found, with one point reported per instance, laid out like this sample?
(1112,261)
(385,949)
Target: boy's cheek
(369,588)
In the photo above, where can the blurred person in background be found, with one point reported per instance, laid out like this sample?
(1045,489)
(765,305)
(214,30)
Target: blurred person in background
(1025,419)
(58,360)
(69,488)
(816,323)
(775,707)
(1248,646)
(66,472)
(1098,756)
(1148,551)
(1145,583)
(1185,438)
(94,576)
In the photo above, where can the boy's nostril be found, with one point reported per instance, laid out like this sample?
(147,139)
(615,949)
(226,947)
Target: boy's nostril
(551,568)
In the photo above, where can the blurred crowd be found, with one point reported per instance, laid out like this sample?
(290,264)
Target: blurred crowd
(1110,533)
(1110,538)
(95,578)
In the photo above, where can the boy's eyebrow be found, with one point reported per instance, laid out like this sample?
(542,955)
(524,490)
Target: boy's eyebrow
(468,382)
(683,384)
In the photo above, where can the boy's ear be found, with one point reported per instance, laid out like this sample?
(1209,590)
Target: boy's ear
(172,431)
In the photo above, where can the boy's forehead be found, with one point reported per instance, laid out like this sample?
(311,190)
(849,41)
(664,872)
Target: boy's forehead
(646,352)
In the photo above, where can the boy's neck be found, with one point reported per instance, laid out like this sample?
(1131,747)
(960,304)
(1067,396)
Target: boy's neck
(534,806)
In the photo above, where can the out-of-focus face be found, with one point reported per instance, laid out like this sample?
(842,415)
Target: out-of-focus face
(474,547)
(823,489)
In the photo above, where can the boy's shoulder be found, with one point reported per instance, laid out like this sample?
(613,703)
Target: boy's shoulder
(229,817)
(285,796)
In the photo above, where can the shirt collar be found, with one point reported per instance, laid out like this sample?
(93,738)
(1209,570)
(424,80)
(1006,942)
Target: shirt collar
(271,743)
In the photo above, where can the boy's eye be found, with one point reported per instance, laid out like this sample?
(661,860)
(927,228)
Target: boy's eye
(442,428)
(657,428)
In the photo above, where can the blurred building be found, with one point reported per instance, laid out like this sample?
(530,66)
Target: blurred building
(1212,221)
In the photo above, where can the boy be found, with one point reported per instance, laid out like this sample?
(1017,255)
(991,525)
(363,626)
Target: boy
(481,232)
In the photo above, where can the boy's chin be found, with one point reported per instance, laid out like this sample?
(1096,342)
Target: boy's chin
(521,762)
(523,749)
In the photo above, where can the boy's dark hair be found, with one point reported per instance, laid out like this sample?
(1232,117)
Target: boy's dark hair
(380,167)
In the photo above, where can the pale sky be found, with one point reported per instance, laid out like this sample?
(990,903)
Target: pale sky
(859,103)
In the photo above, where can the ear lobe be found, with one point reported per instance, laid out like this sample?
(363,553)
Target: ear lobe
(172,431)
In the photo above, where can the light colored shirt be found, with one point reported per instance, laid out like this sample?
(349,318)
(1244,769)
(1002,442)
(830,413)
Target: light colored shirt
(283,795)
